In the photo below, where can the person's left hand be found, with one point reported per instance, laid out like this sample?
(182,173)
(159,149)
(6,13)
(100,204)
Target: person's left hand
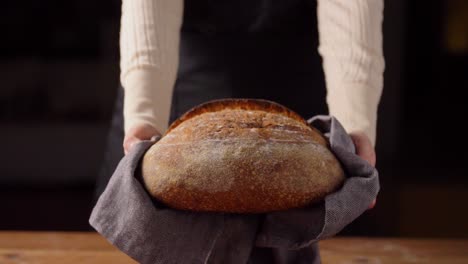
(365,150)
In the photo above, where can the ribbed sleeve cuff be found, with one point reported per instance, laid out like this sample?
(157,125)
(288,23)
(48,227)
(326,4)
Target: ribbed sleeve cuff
(147,98)
(355,106)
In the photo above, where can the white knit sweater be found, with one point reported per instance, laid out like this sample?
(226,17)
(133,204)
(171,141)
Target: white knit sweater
(350,43)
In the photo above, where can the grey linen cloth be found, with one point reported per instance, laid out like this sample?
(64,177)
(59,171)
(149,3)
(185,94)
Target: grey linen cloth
(151,232)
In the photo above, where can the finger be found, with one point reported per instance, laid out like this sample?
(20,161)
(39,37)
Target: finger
(364,147)
(129,142)
(144,132)
(137,134)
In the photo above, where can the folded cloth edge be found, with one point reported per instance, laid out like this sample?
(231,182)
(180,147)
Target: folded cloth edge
(337,205)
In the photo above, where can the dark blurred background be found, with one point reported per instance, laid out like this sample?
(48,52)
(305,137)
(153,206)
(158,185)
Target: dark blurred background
(59,74)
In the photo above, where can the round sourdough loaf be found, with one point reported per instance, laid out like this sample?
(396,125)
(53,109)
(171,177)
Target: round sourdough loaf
(240,156)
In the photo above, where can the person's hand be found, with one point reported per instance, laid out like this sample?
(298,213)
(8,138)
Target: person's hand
(365,150)
(138,133)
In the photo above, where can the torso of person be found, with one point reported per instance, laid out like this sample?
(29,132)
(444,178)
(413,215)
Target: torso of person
(250,49)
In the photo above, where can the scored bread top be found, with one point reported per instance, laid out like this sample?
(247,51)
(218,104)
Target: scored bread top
(269,114)
(244,104)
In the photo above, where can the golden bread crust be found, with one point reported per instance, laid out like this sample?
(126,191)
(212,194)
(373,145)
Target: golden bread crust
(240,156)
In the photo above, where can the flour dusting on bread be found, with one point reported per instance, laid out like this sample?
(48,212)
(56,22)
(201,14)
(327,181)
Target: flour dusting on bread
(241,156)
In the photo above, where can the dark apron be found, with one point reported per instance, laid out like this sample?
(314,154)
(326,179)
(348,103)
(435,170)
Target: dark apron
(242,49)
(256,49)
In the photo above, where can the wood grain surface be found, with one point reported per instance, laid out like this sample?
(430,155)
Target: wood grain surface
(80,247)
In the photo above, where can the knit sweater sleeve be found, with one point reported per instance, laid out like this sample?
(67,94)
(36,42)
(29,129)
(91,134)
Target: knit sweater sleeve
(149,50)
(350,43)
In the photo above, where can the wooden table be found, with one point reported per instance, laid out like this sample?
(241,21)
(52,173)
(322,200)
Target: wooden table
(75,247)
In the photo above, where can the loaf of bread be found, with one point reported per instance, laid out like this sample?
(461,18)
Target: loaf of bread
(240,156)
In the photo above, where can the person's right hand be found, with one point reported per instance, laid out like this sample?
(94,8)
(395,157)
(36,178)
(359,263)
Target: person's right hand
(138,133)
